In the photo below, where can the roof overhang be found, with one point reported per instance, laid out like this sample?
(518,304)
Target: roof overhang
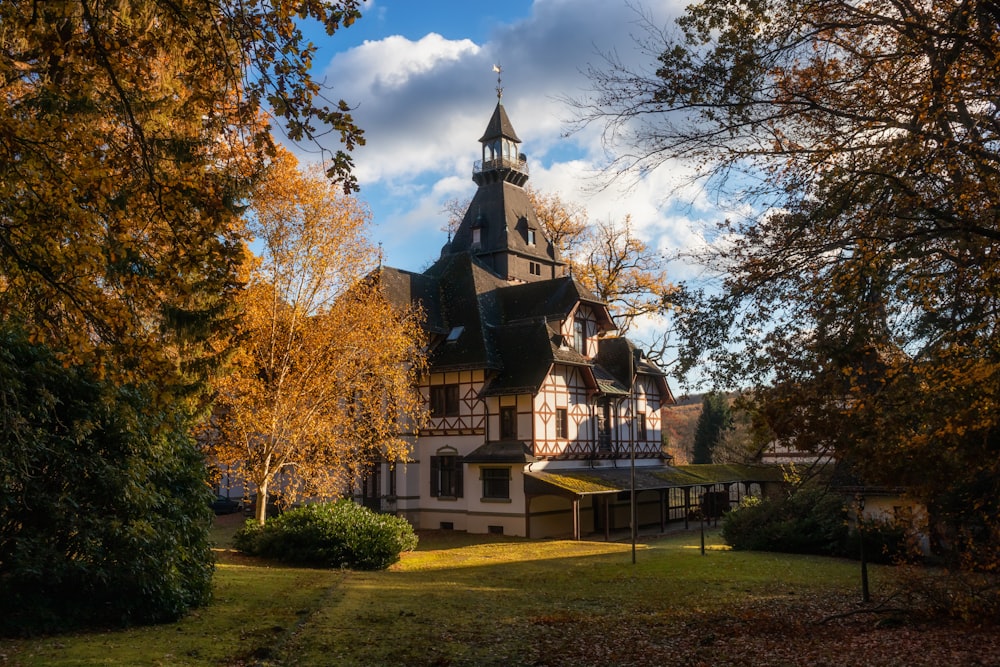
(596,481)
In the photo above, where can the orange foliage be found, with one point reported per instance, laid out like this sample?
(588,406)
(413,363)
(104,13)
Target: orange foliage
(323,381)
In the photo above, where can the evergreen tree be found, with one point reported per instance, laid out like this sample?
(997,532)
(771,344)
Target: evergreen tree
(714,420)
(103,502)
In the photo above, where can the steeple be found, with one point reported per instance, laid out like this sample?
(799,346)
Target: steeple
(500,229)
(502,159)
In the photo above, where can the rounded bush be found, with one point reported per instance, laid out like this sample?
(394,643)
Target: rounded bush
(809,521)
(340,534)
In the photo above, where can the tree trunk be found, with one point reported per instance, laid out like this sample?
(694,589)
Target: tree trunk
(261,510)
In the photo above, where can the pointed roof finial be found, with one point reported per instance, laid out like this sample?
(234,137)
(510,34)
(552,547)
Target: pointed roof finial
(499,70)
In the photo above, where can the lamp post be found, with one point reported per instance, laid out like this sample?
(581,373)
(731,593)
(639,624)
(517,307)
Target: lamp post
(860,499)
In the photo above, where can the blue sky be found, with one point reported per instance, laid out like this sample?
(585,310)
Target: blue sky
(420,77)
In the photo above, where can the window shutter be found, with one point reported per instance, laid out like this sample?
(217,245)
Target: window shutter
(435,476)
(459,481)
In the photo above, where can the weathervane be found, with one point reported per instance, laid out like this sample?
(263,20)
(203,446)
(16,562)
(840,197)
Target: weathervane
(499,70)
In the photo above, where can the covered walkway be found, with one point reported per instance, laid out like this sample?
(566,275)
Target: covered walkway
(664,494)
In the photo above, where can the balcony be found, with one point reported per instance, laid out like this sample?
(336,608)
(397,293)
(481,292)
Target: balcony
(504,168)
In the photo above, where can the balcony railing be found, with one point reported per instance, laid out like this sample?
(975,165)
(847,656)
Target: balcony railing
(520,164)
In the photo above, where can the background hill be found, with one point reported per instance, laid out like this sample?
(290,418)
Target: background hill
(679,423)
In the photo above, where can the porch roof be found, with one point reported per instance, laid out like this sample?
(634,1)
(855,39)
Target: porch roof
(593,481)
(508,451)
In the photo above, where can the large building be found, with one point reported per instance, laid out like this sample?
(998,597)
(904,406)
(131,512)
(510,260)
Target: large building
(537,409)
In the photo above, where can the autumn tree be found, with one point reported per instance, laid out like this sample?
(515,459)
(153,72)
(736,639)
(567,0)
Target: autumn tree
(566,224)
(323,384)
(130,134)
(859,296)
(622,270)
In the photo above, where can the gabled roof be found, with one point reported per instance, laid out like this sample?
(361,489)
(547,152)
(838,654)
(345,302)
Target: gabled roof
(625,361)
(465,293)
(550,299)
(527,350)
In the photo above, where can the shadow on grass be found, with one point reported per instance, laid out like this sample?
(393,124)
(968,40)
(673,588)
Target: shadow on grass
(464,599)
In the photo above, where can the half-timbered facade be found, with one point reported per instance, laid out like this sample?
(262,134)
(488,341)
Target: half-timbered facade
(536,407)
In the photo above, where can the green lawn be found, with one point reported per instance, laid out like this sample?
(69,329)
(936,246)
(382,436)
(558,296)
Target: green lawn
(473,600)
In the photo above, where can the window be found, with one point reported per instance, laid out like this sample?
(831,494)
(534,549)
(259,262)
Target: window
(640,426)
(496,483)
(534,268)
(446,476)
(562,423)
(444,400)
(531,237)
(579,336)
(508,422)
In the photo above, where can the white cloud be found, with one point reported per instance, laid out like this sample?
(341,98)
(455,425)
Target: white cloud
(423,104)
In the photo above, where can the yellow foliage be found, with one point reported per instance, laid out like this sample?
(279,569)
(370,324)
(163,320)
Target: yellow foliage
(323,384)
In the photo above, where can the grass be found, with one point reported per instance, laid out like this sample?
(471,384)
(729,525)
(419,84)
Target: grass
(474,600)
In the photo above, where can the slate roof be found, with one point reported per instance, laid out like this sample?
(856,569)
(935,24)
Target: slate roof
(499,126)
(405,288)
(550,299)
(511,330)
(502,212)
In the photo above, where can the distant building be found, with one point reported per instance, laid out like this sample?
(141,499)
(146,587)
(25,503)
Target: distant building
(537,409)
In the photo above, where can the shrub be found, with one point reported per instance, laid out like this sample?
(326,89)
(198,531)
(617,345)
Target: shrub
(103,512)
(246,536)
(808,521)
(886,542)
(340,534)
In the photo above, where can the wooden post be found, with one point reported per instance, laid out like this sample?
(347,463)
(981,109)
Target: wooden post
(576,518)
(687,506)
(663,510)
(607,519)
(527,516)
